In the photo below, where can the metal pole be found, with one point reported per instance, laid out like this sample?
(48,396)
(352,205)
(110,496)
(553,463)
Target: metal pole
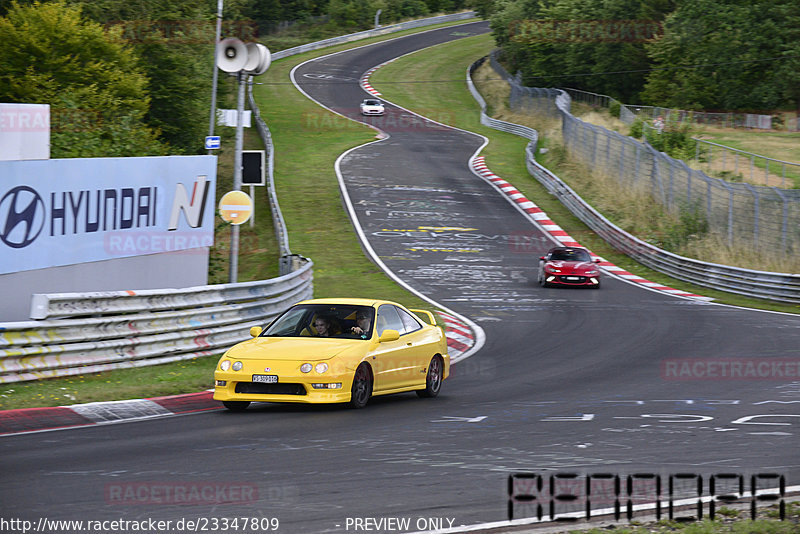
(216,74)
(237,175)
(253,213)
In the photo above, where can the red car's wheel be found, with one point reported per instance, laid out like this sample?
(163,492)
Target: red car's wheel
(542,281)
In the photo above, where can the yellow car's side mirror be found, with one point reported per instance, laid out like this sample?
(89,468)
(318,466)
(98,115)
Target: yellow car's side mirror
(255,331)
(389,335)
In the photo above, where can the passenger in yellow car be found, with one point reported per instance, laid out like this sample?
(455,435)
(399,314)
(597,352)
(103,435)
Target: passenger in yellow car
(323,326)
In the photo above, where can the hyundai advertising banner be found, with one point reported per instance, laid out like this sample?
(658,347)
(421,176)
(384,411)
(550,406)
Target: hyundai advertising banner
(70,211)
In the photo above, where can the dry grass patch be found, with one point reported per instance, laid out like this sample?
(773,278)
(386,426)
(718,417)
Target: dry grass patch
(497,93)
(599,117)
(777,145)
(714,248)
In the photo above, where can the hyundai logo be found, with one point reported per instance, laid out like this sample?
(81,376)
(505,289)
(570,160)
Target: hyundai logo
(24,213)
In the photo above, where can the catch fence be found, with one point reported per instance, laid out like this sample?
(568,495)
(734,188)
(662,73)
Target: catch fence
(766,218)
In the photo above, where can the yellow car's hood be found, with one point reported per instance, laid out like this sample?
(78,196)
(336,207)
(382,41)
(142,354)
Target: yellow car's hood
(292,348)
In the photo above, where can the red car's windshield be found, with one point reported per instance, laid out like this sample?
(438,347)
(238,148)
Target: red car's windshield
(570,255)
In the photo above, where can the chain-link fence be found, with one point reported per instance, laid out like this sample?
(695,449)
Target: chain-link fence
(765,218)
(629,112)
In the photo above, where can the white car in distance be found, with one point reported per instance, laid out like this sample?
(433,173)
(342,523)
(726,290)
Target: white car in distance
(372,106)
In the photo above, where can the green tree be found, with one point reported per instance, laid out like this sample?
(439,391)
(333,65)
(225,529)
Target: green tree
(52,55)
(721,55)
(352,15)
(175,43)
(579,43)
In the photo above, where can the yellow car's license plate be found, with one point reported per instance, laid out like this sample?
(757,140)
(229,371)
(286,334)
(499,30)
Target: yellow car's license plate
(266,379)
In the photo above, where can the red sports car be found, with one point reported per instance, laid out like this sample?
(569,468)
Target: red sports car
(569,266)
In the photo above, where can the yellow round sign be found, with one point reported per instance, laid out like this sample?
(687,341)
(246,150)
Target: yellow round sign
(235,207)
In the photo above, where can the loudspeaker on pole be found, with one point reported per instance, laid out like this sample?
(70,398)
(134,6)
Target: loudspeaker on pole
(231,55)
(258,59)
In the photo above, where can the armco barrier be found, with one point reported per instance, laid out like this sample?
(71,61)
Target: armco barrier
(510,127)
(760,284)
(92,332)
(373,33)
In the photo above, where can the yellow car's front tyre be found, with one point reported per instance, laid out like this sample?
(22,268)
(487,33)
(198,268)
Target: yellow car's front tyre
(236,406)
(362,387)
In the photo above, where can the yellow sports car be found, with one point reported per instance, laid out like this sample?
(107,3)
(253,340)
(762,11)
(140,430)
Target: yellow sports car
(335,350)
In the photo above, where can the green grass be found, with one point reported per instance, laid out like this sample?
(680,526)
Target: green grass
(307,141)
(155,381)
(784,146)
(777,145)
(258,247)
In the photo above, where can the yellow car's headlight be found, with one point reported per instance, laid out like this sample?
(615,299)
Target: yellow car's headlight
(321,367)
(237,366)
(306,368)
(225,365)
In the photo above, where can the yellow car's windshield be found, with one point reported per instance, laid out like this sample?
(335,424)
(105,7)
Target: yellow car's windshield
(345,321)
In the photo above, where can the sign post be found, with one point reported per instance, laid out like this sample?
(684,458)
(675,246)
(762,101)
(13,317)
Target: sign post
(244,61)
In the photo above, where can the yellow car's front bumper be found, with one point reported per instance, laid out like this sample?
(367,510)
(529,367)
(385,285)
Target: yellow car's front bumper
(291,385)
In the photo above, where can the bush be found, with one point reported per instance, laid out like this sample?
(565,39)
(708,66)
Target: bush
(636,128)
(614,109)
(674,140)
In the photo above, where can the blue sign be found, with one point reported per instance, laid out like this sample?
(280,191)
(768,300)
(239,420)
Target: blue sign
(212,142)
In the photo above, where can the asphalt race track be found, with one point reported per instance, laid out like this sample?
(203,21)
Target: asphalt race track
(568,381)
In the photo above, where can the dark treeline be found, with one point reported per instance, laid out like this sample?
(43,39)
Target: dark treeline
(133,77)
(690,54)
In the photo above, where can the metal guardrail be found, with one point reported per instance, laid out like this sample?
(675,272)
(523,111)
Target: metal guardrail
(373,33)
(510,127)
(93,332)
(760,284)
